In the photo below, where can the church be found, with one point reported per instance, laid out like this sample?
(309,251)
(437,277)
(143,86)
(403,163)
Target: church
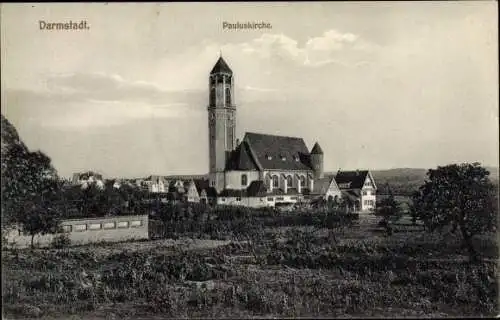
(261,169)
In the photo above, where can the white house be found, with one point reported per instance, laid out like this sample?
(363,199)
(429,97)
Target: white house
(360,186)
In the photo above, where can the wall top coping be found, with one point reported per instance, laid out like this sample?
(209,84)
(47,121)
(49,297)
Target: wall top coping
(104,219)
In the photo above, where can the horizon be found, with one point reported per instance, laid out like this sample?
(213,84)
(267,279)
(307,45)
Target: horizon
(105,176)
(411,87)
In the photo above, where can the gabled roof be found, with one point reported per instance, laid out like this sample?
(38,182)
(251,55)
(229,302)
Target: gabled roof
(257,188)
(241,159)
(270,150)
(204,184)
(321,186)
(350,195)
(221,66)
(316,149)
(351,179)
(232,193)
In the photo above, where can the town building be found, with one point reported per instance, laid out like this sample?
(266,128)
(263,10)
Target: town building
(260,171)
(284,165)
(359,188)
(88,178)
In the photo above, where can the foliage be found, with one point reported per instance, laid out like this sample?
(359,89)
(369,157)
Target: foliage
(458,195)
(390,211)
(308,276)
(93,201)
(222,222)
(61,241)
(26,177)
(39,218)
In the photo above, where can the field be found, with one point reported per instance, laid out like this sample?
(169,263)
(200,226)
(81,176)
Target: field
(283,267)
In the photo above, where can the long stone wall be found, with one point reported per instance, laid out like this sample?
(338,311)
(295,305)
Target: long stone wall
(83,231)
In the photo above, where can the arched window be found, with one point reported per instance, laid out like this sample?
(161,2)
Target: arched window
(228,96)
(275,182)
(212,96)
(289,181)
(244,179)
(302,181)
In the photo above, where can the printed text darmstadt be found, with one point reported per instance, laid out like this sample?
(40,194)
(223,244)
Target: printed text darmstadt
(67,25)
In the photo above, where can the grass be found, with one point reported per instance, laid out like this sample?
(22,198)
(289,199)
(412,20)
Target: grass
(287,270)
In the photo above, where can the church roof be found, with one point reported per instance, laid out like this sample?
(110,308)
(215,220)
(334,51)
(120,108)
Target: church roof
(241,159)
(316,149)
(221,66)
(355,179)
(278,152)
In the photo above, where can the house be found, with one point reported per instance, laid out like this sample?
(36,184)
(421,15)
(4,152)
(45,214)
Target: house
(113,183)
(207,194)
(86,179)
(255,195)
(359,188)
(325,188)
(192,194)
(283,164)
(156,184)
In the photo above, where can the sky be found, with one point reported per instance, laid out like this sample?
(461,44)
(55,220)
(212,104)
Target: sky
(378,84)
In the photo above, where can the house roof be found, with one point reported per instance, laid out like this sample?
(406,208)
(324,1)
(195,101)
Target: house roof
(351,195)
(233,193)
(185,177)
(316,149)
(276,192)
(278,152)
(257,188)
(241,158)
(292,191)
(354,179)
(320,186)
(204,184)
(88,174)
(221,66)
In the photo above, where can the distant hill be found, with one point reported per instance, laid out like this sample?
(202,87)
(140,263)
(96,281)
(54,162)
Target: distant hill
(404,181)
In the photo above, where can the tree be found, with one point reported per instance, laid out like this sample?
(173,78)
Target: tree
(25,175)
(39,218)
(460,196)
(389,209)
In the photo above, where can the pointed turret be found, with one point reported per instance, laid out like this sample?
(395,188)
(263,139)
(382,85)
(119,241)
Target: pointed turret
(317,161)
(316,149)
(221,67)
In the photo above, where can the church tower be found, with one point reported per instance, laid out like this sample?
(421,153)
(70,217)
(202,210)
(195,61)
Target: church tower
(221,121)
(317,161)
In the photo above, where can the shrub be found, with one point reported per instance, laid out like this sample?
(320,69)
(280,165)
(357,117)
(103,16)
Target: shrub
(61,241)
